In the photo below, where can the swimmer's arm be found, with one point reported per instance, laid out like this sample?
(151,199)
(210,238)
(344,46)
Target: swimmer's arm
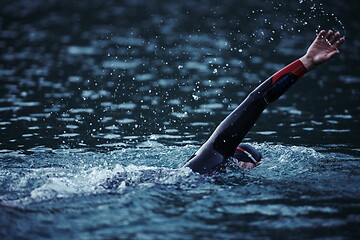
(324,47)
(233,129)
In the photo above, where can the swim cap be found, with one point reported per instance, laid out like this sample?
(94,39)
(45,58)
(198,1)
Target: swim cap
(247,153)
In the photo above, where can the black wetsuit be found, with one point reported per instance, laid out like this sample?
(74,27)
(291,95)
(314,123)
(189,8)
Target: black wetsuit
(228,135)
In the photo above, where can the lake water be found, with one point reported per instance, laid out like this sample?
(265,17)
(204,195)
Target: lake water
(101,102)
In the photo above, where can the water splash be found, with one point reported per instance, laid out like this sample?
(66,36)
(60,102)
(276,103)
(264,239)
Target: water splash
(102,174)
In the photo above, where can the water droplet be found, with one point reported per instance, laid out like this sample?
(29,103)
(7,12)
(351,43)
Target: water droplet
(195,97)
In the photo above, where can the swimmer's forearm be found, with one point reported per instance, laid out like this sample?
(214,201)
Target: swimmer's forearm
(276,85)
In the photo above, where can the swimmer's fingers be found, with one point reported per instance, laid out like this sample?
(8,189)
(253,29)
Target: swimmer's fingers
(339,42)
(334,38)
(328,35)
(321,34)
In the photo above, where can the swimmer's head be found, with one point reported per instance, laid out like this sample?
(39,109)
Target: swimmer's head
(248,154)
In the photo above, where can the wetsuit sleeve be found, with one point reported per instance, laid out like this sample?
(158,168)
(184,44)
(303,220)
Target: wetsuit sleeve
(231,131)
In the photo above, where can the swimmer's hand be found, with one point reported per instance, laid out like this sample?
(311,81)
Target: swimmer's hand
(324,47)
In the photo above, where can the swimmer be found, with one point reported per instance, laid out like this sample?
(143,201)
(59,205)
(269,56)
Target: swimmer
(224,143)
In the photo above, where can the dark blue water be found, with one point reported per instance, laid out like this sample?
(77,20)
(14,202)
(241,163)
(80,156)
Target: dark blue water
(102,102)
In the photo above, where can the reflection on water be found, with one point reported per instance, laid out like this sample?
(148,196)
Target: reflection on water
(93,88)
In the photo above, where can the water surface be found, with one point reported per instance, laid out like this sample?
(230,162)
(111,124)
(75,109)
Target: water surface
(102,102)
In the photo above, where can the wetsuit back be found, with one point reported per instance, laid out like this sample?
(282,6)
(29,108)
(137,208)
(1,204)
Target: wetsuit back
(231,131)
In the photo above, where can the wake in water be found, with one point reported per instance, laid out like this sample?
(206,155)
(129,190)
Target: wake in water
(148,176)
(24,186)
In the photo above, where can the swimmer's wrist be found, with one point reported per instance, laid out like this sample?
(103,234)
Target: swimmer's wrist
(308,62)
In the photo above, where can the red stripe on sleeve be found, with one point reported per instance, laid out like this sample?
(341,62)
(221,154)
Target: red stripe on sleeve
(295,67)
(239,148)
